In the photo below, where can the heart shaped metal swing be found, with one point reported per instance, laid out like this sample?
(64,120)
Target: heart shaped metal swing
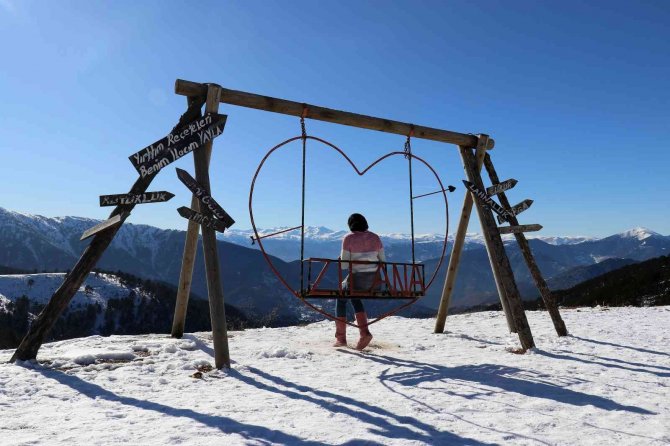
(405,282)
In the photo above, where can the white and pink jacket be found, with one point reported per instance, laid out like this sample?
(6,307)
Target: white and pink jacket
(362,245)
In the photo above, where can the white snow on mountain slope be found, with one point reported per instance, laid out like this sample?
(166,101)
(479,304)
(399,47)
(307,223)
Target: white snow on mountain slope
(242,236)
(4,302)
(605,384)
(638,233)
(40,287)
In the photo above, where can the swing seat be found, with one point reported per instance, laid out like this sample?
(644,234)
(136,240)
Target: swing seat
(393,280)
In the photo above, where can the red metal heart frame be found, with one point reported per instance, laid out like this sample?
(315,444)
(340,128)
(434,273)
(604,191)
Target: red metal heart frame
(360,173)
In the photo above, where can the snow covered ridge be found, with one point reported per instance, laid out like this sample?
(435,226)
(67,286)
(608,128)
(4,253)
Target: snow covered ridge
(98,288)
(62,229)
(639,233)
(605,384)
(323,234)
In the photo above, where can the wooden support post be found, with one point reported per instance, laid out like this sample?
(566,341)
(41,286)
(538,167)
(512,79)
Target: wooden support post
(541,284)
(214,287)
(188,259)
(457,250)
(59,301)
(497,254)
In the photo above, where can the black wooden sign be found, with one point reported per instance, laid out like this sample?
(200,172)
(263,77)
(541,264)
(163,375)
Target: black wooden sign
(487,201)
(153,158)
(501,187)
(147,197)
(517,209)
(519,228)
(111,222)
(203,220)
(205,198)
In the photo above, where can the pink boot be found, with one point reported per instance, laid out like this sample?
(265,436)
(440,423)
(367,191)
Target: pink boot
(340,332)
(366,336)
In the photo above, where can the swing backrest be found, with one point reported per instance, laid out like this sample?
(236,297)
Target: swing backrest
(392,280)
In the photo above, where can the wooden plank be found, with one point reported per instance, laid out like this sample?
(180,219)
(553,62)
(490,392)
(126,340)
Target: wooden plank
(501,187)
(498,256)
(519,228)
(545,292)
(201,194)
(107,224)
(202,219)
(276,105)
(146,197)
(516,210)
(217,308)
(175,145)
(42,325)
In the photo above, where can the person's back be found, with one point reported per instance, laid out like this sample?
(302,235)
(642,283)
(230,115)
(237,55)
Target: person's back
(362,246)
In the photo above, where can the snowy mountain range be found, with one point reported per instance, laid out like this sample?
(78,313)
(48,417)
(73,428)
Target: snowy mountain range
(36,243)
(324,242)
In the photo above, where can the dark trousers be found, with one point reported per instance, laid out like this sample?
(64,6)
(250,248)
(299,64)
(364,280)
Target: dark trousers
(341,306)
(361,281)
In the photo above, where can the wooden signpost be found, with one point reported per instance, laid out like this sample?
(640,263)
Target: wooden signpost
(44,322)
(109,223)
(516,210)
(147,197)
(501,187)
(487,201)
(519,228)
(202,219)
(205,198)
(163,152)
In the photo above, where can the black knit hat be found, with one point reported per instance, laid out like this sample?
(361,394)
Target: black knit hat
(357,223)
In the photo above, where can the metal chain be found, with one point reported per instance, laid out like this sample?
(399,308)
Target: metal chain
(408,147)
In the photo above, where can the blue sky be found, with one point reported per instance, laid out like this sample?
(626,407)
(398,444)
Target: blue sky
(575,94)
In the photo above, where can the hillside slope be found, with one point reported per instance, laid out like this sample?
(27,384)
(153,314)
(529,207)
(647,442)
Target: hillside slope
(105,304)
(641,284)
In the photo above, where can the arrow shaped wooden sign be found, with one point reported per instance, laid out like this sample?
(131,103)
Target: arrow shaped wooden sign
(501,187)
(147,197)
(205,198)
(113,221)
(153,158)
(519,228)
(517,209)
(201,219)
(487,201)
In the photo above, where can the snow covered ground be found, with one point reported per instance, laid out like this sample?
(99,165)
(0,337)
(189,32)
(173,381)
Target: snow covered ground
(607,383)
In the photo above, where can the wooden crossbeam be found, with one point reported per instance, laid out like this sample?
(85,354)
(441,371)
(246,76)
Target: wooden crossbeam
(286,107)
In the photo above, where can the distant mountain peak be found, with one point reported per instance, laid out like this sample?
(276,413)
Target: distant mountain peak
(639,233)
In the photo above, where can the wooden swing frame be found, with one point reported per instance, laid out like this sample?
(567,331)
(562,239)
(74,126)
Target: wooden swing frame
(473,150)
